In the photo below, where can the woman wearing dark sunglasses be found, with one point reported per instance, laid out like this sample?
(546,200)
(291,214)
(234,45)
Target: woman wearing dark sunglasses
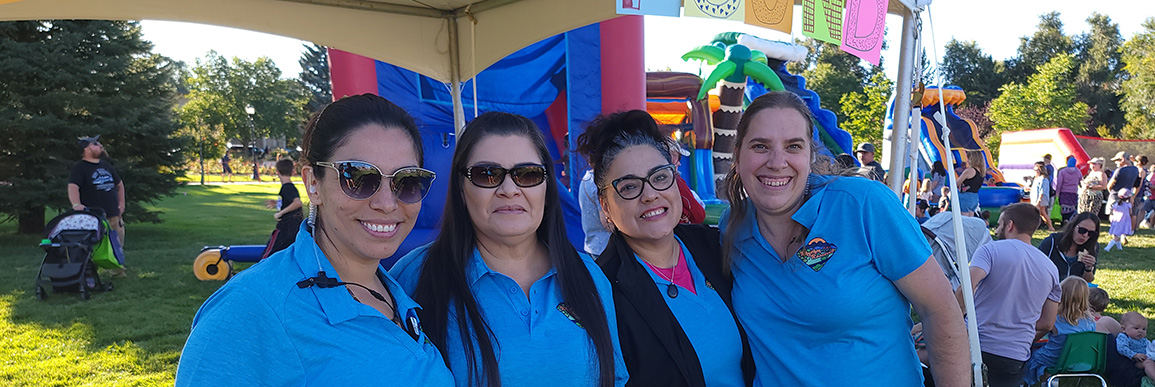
(322,311)
(1074,249)
(673,300)
(504,294)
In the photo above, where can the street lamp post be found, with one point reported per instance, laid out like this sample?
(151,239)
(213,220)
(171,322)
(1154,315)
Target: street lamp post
(253,155)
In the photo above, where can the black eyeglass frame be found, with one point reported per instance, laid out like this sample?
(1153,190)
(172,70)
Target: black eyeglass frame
(513,173)
(646,180)
(393,181)
(1086,231)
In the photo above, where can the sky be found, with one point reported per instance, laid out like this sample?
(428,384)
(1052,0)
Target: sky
(996,25)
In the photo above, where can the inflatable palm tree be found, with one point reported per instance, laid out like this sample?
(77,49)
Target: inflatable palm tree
(735,62)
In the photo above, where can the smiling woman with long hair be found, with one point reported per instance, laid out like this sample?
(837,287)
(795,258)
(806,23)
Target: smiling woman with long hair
(323,311)
(504,294)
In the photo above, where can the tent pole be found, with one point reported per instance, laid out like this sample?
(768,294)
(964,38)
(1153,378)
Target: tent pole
(902,97)
(455,76)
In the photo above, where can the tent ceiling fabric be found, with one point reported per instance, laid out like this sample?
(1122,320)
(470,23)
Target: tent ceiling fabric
(418,43)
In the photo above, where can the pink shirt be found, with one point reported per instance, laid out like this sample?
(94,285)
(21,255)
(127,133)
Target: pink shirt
(680,273)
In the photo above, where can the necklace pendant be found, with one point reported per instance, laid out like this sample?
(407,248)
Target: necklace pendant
(672,290)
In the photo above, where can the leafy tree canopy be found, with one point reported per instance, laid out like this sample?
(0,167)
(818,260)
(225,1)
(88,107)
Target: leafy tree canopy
(965,65)
(1097,82)
(1139,89)
(1047,42)
(1047,101)
(866,111)
(315,76)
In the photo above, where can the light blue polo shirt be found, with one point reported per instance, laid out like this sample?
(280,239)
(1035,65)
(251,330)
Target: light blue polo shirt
(831,314)
(536,343)
(708,324)
(261,329)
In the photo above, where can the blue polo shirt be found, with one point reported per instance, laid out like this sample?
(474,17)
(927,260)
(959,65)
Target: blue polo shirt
(261,329)
(831,315)
(536,343)
(708,324)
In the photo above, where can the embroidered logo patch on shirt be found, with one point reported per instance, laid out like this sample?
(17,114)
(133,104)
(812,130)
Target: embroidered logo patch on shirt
(816,253)
(568,314)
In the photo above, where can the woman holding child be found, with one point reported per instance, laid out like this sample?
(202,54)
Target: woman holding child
(826,268)
(672,296)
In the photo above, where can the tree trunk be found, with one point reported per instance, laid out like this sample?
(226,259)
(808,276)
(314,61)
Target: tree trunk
(726,130)
(31,220)
(201,156)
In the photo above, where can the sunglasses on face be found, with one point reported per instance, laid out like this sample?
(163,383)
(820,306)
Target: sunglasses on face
(1083,231)
(360,180)
(491,176)
(630,187)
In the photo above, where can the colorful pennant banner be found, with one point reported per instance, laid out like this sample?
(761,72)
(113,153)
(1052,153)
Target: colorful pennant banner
(772,14)
(822,20)
(648,7)
(863,30)
(716,9)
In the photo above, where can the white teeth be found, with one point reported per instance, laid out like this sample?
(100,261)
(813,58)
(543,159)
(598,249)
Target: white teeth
(775,182)
(380,227)
(654,213)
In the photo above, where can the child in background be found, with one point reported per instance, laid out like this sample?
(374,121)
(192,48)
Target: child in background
(1099,300)
(1074,317)
(920,208)
(1133,343)
(289,215)
(1120,219)
(944,200)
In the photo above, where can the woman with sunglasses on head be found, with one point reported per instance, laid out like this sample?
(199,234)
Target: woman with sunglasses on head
(322,311)
(827,268)
(505,296)
(1075,249)
(672,298)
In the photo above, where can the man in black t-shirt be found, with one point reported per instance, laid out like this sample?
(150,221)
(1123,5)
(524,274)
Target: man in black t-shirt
(870,168)
(289,216)
(95,184)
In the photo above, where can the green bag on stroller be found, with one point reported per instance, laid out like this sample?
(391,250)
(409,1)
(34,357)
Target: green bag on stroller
(105,255)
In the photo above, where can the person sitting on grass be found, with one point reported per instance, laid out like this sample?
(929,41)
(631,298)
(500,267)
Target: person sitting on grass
(289,215)
(1133,343)
(1099,300)
(1074,317)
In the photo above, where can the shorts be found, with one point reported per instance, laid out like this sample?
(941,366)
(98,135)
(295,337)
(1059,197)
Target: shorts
(225,168)
(968,201)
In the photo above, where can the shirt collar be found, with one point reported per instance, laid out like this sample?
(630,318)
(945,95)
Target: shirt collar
(477,268)
(336,302)
(806,215)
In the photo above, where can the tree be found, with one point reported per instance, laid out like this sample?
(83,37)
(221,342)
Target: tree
(830,73)
(220,90)
(1139,89)
(1034,51)
(315,76)
(1048,101)
(866,111)
(63,79)
(965,65)
(1097,83)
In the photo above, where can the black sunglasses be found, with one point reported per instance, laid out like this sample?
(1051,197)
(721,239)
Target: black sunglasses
(630,187)
(491,176)
(360,180)
(1084,231)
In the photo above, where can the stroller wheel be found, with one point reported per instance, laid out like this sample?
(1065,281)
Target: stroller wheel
(41,294)
(85,295)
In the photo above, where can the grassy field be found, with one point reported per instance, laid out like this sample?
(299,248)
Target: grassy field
(133,335)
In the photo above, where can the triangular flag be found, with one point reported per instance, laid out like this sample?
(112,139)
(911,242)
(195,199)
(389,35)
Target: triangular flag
(864,27)
(716,9)
(822,20)
(772,14)
(650,7)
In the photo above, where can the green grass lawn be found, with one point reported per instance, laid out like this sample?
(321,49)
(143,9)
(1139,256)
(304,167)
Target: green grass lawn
(133,335)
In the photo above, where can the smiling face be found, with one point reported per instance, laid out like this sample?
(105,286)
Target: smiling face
(506,212)
(372,228)
(650,216)
(774,161)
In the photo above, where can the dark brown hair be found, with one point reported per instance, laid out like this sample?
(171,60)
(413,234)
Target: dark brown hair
(1024,215)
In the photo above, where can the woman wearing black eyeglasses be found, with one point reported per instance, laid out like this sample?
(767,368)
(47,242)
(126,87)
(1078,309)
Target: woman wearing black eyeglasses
(673,300)
(1074,249)
(504,294)
(322,311)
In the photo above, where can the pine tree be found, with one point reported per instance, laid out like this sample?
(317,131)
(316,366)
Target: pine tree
(1045,44)
(1097,82)
(64,79)
(315,76)
(965,65)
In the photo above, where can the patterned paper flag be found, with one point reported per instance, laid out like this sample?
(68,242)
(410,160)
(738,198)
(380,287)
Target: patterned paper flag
(863,29)
(648,7)
(822,20)
(716,9)
(772,14)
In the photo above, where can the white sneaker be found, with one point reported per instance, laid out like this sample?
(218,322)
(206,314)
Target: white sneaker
(1144,224)
(1109,245)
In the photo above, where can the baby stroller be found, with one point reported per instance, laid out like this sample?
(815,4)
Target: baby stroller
(68,245)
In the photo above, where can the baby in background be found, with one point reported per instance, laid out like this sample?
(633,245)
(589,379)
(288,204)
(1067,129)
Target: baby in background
(1133,342)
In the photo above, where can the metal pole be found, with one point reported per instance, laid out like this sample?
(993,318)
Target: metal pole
(902,89)
(455,76)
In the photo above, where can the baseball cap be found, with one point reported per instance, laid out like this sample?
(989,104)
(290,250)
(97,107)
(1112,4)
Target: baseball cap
(1098,160)
(85,141)
(865,147)
(1122,155)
